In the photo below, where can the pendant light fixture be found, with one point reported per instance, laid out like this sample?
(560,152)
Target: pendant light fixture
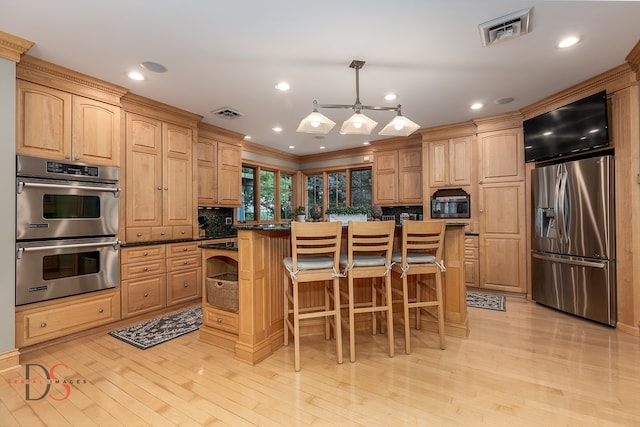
(358,123)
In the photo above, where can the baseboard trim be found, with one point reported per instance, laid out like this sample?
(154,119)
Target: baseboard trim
(628,329)
(9,360)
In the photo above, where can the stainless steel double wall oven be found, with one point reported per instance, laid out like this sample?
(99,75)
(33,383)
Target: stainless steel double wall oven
(66,228)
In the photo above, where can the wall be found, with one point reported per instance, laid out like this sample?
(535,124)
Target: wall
(7,193)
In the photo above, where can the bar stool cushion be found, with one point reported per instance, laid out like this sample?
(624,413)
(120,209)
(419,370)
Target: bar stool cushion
(363,260)
(414,258)
(309,263)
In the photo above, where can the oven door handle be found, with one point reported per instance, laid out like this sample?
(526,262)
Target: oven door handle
(20,251)
(23,184)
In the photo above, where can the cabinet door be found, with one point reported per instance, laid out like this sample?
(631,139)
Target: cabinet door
(144,171)
(143,295)
(177,175)
(43,121)
(183,286)
(501,156)
(96,132)
(439,163)
(502,237)
(229,175)
(459,170)
(385,164)
(207,178)
(410,175)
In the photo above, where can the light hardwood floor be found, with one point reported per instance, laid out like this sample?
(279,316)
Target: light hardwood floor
(528,366)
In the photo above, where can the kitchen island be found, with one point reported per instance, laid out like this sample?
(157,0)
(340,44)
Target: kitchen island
(255,331)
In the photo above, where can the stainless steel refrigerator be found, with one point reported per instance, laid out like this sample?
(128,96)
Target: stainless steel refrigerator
(573,238)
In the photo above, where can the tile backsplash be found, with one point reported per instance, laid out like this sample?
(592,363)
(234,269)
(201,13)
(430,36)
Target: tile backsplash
(216,222)
(397,210)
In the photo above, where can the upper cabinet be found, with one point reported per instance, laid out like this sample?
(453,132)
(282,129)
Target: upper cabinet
(450,162)
(219,167)
(159,179)
(397,176)
(59,118)
(501,149)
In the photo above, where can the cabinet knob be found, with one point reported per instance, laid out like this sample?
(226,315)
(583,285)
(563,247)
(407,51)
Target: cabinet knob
(67,157)
(160,187)
(77,157)
(186,262)
(146,294)
(183,232)
(145,253)
(146,269)
(43,324)
(166,188)
(101,310)
(219,320)
(186,285)
(481,210)
(138,234)
(185,249)
(162,233)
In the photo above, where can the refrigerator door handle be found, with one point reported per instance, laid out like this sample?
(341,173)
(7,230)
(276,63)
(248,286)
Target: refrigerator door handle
(563,260)
(557,207)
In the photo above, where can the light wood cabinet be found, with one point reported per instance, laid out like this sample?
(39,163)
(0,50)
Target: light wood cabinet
(397,176)
(501,155)
(471,261)
(219,173)
(158,276)
(159,180)
(59,125)
(450,162)
(45,321)
(503,237)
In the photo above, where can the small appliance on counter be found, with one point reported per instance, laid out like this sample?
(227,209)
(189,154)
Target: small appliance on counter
(450,203)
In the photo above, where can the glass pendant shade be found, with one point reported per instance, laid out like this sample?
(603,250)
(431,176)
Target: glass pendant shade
(399,126)
(316,123)
(358,124)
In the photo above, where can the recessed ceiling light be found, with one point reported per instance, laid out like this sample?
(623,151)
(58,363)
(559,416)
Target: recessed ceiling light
(568,42)
(283,86)
(366,143)
(276,129)
(247,137)
(390,96)
(153,66)
(292,146)
(134,75)
(322,147)
(476,106)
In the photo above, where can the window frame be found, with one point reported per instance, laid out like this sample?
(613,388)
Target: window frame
(277,197)
(325,181)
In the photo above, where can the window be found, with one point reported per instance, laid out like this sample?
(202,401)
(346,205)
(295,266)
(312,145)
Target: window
(361,188)
(337,189)
(315,192)
(271,191)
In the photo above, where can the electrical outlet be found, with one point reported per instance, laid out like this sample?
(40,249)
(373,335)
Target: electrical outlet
(228,220)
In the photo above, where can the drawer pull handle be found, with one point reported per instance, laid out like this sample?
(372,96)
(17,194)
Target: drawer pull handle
(146,294)
(43,324)
(184,249)
(101,310)
(160,187)
(219,320)
(145,254)
(162,233)
(183,232)
(186,262)
(186,285)
(146,269)
(138,234)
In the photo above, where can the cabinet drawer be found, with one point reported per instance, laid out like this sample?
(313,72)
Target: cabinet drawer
(143,253)
(137,234)
(161,233)
(143,295)
(471,242)
(182,249)
(183,286)
(470,253)
(219,319)
(39,325)
(182,232)
(142,269)
(174,264)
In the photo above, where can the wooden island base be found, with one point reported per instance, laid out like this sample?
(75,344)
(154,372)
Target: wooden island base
(256,330)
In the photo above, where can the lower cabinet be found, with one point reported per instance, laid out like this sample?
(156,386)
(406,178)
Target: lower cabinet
(159,276)
(471,261)
(45,321)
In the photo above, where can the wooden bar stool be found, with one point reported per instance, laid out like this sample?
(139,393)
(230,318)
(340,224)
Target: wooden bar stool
(370,245)
(315,256)
(422,246)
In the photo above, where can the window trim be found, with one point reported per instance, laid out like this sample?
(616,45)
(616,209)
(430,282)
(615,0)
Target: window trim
(257,167)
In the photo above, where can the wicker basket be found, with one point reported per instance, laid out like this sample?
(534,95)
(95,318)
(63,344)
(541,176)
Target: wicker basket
(222,291)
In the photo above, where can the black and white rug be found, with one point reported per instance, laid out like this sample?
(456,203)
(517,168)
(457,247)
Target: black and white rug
(488,301)
(161,329)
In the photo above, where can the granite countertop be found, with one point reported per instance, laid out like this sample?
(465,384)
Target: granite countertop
(226,246)
(164,242)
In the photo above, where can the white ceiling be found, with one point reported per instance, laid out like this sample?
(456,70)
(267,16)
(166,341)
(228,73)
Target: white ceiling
(232,53)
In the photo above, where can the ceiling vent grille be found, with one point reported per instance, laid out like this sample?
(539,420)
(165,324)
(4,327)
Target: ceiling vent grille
(227,113)
(506,27)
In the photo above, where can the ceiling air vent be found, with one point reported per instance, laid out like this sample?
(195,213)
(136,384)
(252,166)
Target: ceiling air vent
(227,113)
(505,28)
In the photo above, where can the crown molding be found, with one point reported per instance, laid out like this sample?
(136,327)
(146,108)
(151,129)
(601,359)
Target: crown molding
(13,47)
(633,59)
